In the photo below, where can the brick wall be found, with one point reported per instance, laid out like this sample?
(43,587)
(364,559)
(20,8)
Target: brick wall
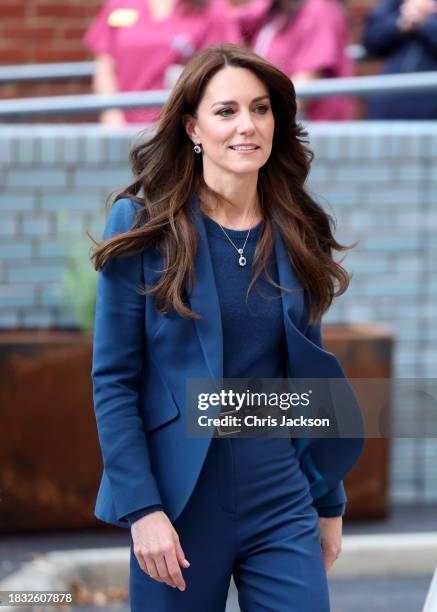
(375,178)
(44,31)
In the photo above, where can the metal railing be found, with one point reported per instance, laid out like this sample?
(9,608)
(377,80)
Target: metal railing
(75,70)
(399,84)
(46,72)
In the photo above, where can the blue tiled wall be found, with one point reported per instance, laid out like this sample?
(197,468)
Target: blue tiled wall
(378,180)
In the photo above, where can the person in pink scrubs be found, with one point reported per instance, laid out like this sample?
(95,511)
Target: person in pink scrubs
(306,39)
(142,45)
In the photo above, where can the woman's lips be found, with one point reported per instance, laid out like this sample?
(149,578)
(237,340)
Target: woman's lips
(244,148)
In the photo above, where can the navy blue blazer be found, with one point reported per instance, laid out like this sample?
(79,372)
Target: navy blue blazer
(142,360)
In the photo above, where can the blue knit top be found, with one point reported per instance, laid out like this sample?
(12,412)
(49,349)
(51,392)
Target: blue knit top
(253,329)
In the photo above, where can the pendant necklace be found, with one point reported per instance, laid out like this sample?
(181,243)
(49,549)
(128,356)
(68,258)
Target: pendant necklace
(241,260)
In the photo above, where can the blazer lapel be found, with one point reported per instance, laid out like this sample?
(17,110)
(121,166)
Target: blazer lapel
(204,299)
(292,302)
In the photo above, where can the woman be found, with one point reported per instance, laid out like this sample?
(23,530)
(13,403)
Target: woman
(306,39)
(140,45)
(218,192)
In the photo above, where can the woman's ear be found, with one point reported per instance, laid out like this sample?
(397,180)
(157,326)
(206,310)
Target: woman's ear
(190,125)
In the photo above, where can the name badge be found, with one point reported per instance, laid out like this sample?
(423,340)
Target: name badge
(123,18)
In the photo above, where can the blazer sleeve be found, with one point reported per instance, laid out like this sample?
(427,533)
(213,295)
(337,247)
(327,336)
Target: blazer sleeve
(135,516)
(333,503)
(119,338)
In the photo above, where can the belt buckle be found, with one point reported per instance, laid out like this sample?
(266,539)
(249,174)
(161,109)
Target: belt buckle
(227,433)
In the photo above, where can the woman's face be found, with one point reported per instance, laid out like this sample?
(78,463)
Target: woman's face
(234,124)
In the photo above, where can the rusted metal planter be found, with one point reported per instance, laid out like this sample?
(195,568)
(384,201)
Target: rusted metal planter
(50,460)
(365,351)
(49,456)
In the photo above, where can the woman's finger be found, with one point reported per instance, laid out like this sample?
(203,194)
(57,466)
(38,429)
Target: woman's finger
(180,555)
(152,570)
(141,561)
(174,570)
(163,570)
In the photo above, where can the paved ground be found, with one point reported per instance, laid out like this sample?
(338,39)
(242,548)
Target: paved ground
(382,594)
(368,594)
(379,594)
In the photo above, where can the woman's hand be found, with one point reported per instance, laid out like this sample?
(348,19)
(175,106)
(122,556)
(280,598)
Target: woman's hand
(157,549)
(330,538)
(112,116)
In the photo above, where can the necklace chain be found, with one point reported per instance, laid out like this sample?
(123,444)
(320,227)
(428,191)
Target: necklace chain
(241,260)
(231,241)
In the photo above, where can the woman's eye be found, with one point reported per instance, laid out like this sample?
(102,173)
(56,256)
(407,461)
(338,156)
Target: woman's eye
(260,108)
(224,112)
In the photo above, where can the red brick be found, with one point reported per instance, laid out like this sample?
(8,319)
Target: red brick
(48,55)
(64,10)
(28,32)
(8,91)
(13,56)
(12,10)
(74,33)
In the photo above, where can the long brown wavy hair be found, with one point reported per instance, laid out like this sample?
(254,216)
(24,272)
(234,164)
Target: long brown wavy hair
(167,174)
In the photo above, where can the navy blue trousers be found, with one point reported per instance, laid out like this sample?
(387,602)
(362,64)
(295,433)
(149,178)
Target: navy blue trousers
(250,517)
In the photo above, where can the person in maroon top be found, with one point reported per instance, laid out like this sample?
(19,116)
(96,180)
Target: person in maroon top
(142,45)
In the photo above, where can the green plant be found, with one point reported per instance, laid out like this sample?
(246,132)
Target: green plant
(79,285)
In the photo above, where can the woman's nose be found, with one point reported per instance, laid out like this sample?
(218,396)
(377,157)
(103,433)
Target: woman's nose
(246,123)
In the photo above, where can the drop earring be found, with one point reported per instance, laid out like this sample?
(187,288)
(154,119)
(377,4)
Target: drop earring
(197,148)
